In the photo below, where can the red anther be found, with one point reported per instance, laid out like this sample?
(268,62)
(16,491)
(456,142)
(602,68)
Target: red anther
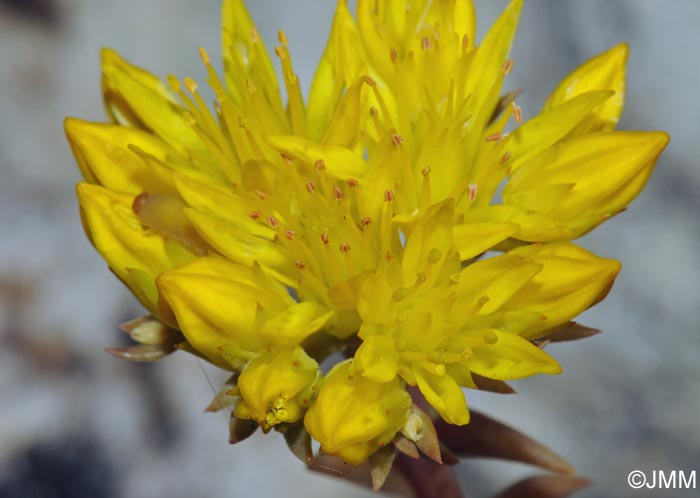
(494,137)
(397,140)
(273,222)
(300,264)
(365,222)
(426,171)
(338,194)
(472,190)
(517,113)
(310,187)
(425,43)
(345,248)
(290,234)
(368,79)
(261,194)
(324,238)
(353,183)
(320,165)
(506,157)
(256,215)
(139,201)
(507,66)
(394,55)
(389,196)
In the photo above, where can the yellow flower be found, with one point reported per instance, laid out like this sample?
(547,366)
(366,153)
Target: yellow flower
(274,234)
(353,417)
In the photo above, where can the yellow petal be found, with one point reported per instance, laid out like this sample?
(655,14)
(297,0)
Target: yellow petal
(444,394)
(339,162)
(484,286)
(428,243)
(546,129)
(601,166)
(296,323)
(472,239)
(377,359)
(533,227)
(572,279)
(344,127)
(217,303)
(342,63)
(135,97)
(605,71)
(123,241)
(511,357)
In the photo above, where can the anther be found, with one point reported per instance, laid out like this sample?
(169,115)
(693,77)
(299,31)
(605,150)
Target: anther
(310,187)
(255,215)
(300,264)
(190,120)
(287,158)
(345,248)
(394,55)
(365,222)
(338,194)
(262,195)
(517,113)
(204,55)
(254,36)
(494,137)
(472,190)
(324,238)
(290,234)
(506,157)
(272,221)
(174,83)
(425,43)
(190,85)
(465,42)
(426,171)
(368,79)
(434,255)
(373,111)
(508,66)
(397,140)
(282,38)
(353,183)
(389,196)
(320,165)
(400,294)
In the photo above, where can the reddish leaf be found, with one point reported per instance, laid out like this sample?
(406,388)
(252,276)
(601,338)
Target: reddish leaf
(240,429)
(492,385)
(427,478)
(570,331)
(546,487)
(396,482)
(485,437)
(380,465)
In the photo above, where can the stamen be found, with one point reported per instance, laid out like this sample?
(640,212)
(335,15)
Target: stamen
(389,196)
(373,111)
(190,85)
(368,79)
(324,238)
(494,137)
(255,215)
(287,158)
(353,183)
(282,38)
(472,190)
(320,165)
(465,42)
(290,234)
(204,55)
(425,43)
(426,171)
(394,55)
(345,248)
(300,264)
(365,222)
(506,157)
(262,195)
(310,187)
(272,221)
(508,66)
(338,194)
(517,113)
(397,140)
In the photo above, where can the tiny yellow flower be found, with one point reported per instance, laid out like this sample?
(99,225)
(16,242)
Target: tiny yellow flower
(353,417)
(274,234)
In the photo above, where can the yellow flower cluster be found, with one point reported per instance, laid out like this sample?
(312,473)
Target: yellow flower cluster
(274,235)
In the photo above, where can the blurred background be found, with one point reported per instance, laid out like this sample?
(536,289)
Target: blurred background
(77,423)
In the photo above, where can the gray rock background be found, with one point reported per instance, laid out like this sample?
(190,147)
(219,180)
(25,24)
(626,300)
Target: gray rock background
(76,423)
